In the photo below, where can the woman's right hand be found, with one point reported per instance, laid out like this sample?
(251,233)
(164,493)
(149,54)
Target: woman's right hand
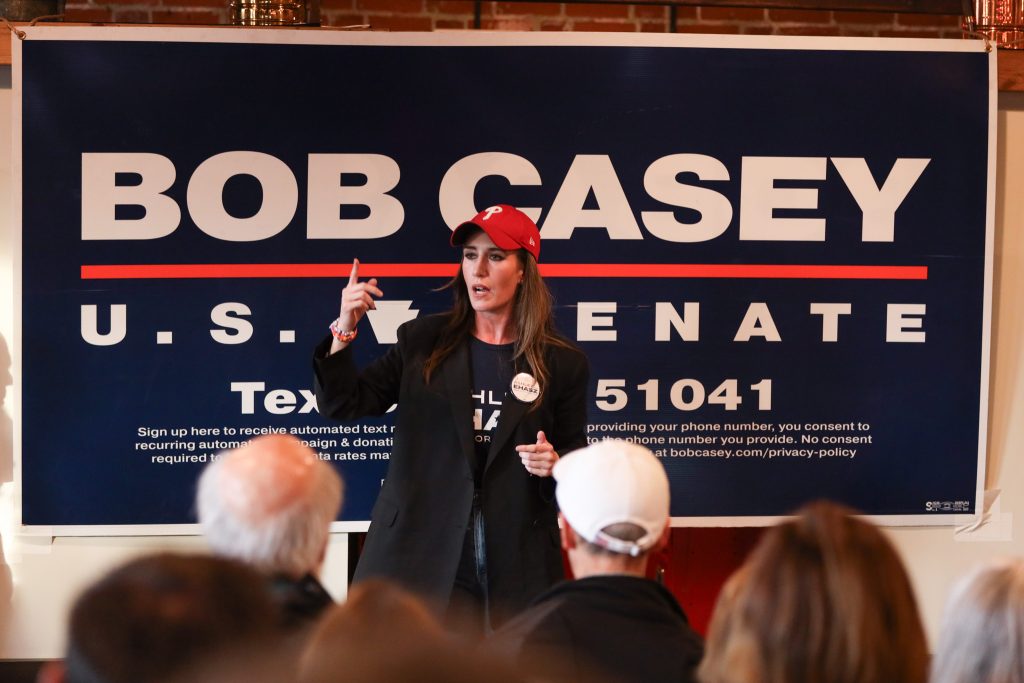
(356,300)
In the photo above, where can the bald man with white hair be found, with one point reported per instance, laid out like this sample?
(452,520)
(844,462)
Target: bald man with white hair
(270,503)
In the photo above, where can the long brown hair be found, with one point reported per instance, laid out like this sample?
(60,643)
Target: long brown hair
(532,315)
(822,598)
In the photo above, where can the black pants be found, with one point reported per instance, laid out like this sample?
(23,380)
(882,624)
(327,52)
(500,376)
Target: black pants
(469,608)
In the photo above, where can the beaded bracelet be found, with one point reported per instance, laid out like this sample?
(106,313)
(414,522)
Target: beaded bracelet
(343,337)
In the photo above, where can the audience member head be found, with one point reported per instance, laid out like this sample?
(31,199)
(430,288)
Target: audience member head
(405,662)
(156,617)
(982,635)
(384,634)
(614,502)
(823,597)
(270,504)
(377,614)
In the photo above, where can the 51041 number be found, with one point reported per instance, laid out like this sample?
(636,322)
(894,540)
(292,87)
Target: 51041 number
(684,394)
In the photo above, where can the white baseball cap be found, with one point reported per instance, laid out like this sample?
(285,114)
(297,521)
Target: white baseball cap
(613,482)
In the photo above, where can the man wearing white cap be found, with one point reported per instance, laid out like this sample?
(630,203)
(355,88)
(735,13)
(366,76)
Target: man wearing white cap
(610,623)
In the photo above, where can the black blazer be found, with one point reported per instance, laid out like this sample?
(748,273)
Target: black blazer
(419,522)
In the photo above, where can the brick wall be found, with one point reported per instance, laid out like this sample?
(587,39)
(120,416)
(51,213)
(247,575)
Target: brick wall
(428,15)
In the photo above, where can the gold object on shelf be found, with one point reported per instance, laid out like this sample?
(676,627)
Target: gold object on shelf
(275,12)
(1001,21)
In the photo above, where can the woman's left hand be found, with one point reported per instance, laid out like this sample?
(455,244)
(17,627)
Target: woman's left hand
(538,458)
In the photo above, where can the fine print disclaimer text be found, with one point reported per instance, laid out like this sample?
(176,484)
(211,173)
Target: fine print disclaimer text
(728,440)
(193,444)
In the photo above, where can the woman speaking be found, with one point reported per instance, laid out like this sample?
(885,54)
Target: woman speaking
(488,395)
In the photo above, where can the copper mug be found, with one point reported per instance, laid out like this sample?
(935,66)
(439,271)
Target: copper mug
(275,12)
(1002,21)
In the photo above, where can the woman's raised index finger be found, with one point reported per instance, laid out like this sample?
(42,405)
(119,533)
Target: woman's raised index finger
(354,276)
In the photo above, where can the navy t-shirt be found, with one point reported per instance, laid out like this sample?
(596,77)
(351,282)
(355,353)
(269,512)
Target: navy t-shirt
(492,375)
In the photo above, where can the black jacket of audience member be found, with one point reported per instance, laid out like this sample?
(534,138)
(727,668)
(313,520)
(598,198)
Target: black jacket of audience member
(301,601)
(618,628)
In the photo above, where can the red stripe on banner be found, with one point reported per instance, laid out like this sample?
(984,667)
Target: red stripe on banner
(579,270)
(264,270)
(730,270)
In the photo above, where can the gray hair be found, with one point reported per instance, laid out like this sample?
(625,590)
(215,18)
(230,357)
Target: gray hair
(290,540)
(982,634)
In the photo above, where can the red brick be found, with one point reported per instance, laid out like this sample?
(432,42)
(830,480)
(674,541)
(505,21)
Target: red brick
(650,12)
(808,30)
(953,33)
(553,25)
(336,19)
(88,15)
(506,24)
(686,13)
(450,24)
(761,30)
(400,23)
(800,16)
(394,6)
(909,33)
(937,20)
(653,27)
(876,18)
(614,26)
(202,4)
(731,14)
(707,28)
(189,17)
(329,5)
(450,6)
(132,16)
(549,9)
(596,10)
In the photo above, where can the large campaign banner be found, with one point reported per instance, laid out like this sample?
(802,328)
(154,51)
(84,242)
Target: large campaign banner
(776,252)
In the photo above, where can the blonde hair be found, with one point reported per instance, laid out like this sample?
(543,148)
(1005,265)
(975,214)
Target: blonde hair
(823,597)
(982,634)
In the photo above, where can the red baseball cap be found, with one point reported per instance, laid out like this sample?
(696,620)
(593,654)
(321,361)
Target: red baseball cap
(508,227)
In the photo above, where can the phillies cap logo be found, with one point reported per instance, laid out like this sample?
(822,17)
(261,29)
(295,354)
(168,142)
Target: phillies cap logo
(491,211)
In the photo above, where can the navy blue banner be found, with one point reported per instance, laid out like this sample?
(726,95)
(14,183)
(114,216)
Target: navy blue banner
(774,254)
